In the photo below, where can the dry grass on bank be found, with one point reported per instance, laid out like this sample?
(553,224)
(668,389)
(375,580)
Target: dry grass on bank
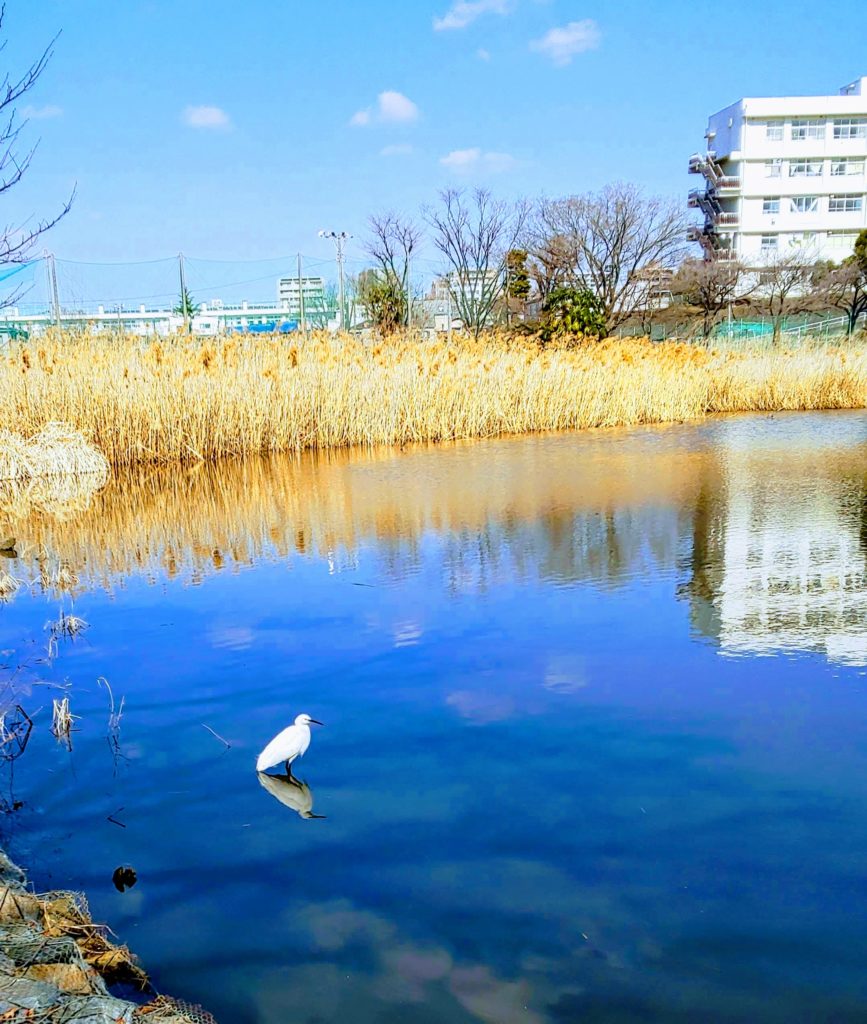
(53,450)
(182,399)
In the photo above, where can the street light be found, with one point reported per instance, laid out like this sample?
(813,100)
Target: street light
(340,240)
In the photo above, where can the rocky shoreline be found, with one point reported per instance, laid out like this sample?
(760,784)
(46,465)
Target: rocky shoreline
(57,965)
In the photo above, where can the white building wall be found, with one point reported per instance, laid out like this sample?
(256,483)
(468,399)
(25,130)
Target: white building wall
(799,175)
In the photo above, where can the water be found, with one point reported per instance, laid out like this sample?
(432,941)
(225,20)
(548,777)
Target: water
(595,739)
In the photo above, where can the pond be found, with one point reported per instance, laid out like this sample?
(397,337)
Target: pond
(595,737)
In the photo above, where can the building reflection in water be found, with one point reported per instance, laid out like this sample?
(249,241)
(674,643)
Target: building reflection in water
(778,560)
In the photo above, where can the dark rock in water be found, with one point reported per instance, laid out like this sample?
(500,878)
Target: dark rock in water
(7,547)
(124,878)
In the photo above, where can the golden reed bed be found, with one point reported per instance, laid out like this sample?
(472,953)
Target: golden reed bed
(182,399)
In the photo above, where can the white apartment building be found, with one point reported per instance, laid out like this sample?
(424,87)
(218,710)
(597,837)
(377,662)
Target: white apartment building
(291,289)
(783,172)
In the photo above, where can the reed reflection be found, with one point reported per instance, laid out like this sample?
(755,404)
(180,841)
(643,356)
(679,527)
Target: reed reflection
(291,792)
(761,521)
(502,507)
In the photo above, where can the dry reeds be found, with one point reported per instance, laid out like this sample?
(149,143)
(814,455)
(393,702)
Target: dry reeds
(186,399)
(8,585)
(62,721)
(67,626)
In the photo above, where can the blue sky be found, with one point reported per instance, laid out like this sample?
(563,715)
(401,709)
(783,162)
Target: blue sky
(226,130)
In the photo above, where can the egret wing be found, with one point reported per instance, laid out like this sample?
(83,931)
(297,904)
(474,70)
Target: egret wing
(284,747)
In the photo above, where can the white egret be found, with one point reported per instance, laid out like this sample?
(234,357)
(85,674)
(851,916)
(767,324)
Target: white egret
(290,792)
(287,745)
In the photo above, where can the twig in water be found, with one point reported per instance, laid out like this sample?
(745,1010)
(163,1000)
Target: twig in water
(217,735)
(113,820)
(14,734)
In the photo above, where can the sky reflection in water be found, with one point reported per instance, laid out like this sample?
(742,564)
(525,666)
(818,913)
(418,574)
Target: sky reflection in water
(595,733)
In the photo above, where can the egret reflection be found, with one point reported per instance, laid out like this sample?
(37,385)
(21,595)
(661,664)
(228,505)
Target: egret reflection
(290,792)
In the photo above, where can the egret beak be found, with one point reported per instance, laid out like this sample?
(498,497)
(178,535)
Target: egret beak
(314,722)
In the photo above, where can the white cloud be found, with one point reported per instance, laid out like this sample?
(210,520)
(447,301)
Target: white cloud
(394,106)
(465,12)
(206,117)
(41,113)
(483,54)
(391,107)
(399,149)
(562,44)
(468,161)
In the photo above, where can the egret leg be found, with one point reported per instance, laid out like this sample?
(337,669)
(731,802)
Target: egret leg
(292,777)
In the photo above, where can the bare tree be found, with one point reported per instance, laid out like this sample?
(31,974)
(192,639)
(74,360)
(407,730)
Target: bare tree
(784,288)
(392,243)
(710,287)
(17,241)
(606,243)
(475,232)
(548,258)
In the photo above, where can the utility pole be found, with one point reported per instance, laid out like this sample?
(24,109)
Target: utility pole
(340,240)
(409,293)
(301,298)
(55,294)
(185,309)
(507,291)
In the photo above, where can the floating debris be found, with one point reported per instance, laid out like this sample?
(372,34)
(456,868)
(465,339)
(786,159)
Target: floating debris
(124,877)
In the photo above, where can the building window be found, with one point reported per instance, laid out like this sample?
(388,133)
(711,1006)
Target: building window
(843,240)
(845,204)
(805,204)
(774,131)
(808,129)
(773,168)
(846,166)
(771,205)
(769,243)
(850,128)
(805,169)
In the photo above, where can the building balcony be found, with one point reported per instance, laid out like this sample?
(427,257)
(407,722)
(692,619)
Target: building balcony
(717,179)
(715,246)
(727,219)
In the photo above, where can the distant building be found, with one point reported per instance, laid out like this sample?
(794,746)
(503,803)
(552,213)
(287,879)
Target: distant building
(291,289)
(210,319)
(441,306)
(782,172)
